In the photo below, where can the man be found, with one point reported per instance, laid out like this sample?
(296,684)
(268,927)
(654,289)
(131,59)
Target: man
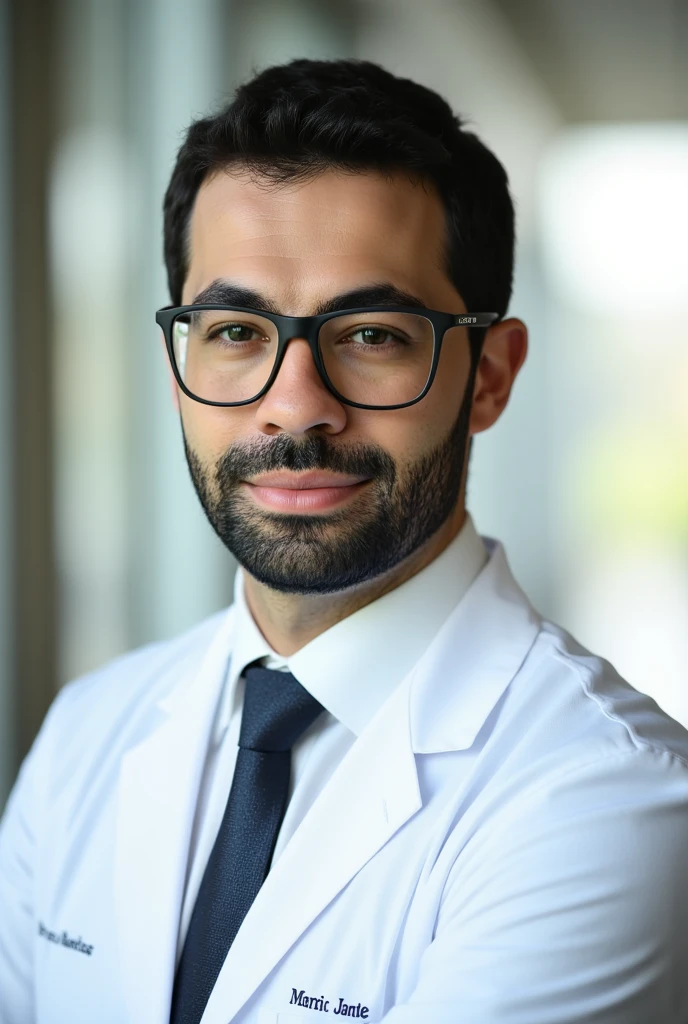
(379,786)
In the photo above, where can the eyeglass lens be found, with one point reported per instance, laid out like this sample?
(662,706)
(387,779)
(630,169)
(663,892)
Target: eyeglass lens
(372,358)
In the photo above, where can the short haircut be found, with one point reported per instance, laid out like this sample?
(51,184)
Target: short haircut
(292,121)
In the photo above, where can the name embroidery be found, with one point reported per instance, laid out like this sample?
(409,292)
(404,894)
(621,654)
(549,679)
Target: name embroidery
(63,939)
(323,1005)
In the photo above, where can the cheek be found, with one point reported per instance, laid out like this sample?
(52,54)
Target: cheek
(450,381)
(422,427)
(406,434)
(209,431)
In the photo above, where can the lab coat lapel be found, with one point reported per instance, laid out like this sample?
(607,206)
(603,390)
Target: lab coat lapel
(156,801)
(440,706)
(370,796)
(472,660)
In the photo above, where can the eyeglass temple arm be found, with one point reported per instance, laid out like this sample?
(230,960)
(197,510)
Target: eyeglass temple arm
(475,319)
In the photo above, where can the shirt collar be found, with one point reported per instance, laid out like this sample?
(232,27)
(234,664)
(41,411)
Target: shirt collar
(355,665)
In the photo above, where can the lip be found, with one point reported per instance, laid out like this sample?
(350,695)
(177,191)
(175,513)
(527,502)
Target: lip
(304,481)
(308,492)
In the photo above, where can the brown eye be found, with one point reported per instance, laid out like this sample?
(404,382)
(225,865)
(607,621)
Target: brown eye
(374,336)
(236,333)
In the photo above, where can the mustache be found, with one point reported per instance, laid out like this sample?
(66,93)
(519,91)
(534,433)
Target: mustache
(314,452)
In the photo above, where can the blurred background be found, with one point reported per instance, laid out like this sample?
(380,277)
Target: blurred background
(585,477)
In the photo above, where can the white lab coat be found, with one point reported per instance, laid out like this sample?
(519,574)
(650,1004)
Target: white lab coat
(505,843)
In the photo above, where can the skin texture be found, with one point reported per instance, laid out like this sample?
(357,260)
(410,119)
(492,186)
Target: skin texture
(300,245)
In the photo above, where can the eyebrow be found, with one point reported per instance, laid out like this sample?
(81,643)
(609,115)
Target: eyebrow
(384,293)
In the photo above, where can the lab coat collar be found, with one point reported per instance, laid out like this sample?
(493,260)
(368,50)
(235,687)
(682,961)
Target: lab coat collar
(489,635)
(353,667)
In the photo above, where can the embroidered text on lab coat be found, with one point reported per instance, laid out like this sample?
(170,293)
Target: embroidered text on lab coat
(323,1005)
(63,939)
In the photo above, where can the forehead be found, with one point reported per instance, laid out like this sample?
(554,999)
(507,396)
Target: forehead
(303,242)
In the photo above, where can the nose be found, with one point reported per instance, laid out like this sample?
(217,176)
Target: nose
(298,400)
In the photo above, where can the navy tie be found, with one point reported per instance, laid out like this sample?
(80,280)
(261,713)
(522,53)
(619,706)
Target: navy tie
(277,710)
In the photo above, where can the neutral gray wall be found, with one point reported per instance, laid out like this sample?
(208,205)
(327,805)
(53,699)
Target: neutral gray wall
(137,561)
(179,571)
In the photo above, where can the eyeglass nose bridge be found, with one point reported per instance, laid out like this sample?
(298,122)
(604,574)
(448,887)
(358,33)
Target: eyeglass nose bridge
(294,327)
(290,327)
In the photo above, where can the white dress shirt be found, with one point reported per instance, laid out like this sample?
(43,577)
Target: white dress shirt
(351,668)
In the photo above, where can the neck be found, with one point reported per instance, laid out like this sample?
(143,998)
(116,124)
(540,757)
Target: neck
(290,621)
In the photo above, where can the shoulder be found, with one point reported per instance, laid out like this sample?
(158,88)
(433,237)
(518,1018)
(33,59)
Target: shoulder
(573,740)
(113,705)
(570,861)
(580,782)
(589,707)
(147,672)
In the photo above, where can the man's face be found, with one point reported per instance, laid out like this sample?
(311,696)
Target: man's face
(300,246)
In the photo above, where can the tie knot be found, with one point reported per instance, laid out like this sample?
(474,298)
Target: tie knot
(277,710)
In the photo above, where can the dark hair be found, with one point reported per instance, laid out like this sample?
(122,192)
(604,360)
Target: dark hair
(294,120)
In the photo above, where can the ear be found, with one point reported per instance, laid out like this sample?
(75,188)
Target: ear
(174,387)
(503,353)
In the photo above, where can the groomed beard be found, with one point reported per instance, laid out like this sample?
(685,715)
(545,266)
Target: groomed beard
(396,513)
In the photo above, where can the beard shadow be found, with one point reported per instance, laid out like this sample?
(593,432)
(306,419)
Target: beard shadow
(393,516)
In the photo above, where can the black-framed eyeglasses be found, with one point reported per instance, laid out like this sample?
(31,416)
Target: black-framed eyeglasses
(371,357)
